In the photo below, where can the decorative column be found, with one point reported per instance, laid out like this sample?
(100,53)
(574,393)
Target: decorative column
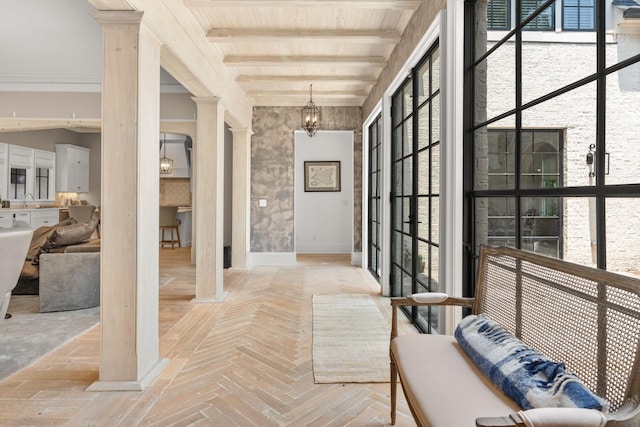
(241,197)
(209,197)
(129,350)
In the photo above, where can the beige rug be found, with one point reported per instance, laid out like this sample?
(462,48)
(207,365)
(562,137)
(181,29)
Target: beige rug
(350,339)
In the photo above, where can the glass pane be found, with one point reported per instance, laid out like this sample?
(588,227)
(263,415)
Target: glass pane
(423,127)
(435,169)
(397,142)
(406,211)
(435,71)
(423,172)
(397,254)
(500,220)
(407,145)
(623,229)
(550,66)
(579,227)
(397,178)
(544,20)
(495,82)
(622,157)
(407,97)
(407,172)
(541,225)
(570,119)
(424,80)
(423,217)
(541,159)
(435,119)
(435,219)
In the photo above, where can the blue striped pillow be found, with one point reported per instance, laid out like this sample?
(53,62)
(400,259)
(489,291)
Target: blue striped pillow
(522,373)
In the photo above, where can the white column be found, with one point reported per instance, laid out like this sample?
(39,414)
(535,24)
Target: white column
(129,272)
(209,196)
(241,195)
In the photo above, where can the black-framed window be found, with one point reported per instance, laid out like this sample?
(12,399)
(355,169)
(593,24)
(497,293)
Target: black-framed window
(374,225)
(42,183)
(499,15)
(578,15)
(415,192)
(18,183)
(597,193)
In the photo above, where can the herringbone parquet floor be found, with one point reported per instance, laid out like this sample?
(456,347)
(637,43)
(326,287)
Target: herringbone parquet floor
(244,362)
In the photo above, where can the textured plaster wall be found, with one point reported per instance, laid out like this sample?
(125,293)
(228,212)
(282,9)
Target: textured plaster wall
(418,25)
(272,173)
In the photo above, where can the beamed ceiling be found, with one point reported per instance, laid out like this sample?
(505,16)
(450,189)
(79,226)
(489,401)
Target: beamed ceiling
(277,48)
(258,52)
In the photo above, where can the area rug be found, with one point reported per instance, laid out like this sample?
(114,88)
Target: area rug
(350,339)
(28,334)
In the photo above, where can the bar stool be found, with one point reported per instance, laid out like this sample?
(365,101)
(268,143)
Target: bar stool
(168,221)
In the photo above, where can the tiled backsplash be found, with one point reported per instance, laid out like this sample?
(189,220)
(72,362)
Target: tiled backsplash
(175,192)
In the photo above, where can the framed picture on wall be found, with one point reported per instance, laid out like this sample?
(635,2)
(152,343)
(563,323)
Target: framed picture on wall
(322,176)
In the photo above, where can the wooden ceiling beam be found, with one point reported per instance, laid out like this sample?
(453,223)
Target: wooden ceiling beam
(354,4)
(305,93)
(222,35)
(245,78)
(266,60)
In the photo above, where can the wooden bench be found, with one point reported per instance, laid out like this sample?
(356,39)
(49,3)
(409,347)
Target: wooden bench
(587,318)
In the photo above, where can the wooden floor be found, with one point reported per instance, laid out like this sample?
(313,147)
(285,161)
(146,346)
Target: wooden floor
(244,362)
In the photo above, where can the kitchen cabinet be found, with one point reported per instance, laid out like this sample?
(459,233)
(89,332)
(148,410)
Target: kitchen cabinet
(72,168)
(42,217)
(20,172)
(35,218)
(6,219)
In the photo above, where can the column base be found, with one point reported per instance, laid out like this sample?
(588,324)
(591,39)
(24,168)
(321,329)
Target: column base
(140,385)
(211,300)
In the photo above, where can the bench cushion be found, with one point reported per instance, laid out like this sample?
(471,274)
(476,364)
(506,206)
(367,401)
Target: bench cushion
(530,378)
(451,389)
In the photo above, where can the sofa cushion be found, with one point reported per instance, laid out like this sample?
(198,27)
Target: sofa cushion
(71,234)
(530,378)
(449,387)
(41,234)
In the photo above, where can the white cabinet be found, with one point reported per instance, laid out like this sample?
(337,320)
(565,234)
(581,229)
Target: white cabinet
(4,171)
(42,217)
(72,168)
(6,219)
(20,172)
(23,216)
(45,164)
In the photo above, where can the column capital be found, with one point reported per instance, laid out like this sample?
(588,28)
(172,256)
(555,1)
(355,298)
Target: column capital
(234,130)
(105,17)
(206,99)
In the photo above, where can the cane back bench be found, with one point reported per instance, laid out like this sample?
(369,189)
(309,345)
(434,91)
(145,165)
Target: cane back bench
(585,317)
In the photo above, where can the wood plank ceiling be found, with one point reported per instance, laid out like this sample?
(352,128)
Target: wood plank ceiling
(277,48)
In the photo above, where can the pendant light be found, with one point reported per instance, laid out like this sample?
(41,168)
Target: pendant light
(166,164)
(310,115)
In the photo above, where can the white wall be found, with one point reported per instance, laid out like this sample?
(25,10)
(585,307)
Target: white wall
(324,220)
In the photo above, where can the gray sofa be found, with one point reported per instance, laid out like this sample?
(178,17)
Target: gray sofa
(63,267)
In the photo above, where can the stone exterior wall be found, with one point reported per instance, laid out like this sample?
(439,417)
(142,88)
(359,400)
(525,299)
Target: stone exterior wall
(272,173)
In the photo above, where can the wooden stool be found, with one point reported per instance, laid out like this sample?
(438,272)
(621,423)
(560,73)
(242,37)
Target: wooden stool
(168,221)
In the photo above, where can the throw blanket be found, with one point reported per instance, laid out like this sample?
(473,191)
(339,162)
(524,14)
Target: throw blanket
(523,374)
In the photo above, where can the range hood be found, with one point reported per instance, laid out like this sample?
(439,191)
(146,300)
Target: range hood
(179,148)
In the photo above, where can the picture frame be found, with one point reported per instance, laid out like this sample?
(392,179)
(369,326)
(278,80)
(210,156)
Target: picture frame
(321,176)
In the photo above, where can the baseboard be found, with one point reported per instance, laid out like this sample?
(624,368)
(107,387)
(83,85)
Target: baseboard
(139,385)
(356,258)
(272,258)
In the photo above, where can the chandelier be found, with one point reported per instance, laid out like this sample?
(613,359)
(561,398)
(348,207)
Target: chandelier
(310,115)
(166,164)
